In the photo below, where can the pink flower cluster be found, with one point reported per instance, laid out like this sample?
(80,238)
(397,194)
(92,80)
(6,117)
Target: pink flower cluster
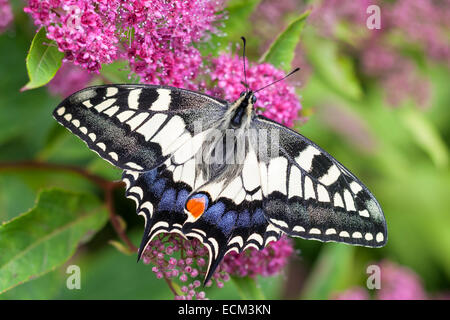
(161,50)
(82,29)
(252,262)
(185,261)
(278,102)
(176,258)
(68,79)
(397,283)
(6,16)
(155,36)
(423,24)
(329,13)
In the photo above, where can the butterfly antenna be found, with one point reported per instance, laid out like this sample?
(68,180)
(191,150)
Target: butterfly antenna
(243,58)
(289,74)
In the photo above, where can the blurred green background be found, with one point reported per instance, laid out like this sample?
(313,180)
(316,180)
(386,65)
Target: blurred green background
(398,146)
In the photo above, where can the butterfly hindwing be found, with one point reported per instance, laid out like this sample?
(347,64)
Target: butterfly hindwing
(231,217)
(159,200)
(136,127)
(311,195)
(229,226)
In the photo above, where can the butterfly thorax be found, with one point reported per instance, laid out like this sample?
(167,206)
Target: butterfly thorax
(227,142)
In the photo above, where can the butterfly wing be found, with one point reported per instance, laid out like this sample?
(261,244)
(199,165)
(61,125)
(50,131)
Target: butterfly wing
(136,127)
(159,199)
(309,194)
(232,219)
(149,131)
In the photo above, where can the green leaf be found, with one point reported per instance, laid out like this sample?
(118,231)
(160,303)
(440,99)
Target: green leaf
(12,188)
(281,51)
(331,67)
(47,236)
(248,288)
(25,184)
(329,272)
(109,274)
(43,60)
(42,288)
(426,136)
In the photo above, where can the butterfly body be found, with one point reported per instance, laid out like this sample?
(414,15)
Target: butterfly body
(216,171)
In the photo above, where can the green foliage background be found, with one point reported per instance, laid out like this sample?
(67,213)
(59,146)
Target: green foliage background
(407,170)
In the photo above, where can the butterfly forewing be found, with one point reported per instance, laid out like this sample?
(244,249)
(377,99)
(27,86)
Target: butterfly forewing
(136,127)
(316,197)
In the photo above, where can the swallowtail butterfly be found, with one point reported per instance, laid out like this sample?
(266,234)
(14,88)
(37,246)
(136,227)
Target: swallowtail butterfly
(206,168)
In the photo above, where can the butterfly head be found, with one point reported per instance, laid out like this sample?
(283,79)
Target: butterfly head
(241,111)
(249,96)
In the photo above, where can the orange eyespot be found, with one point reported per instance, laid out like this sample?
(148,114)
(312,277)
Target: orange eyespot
(196,206)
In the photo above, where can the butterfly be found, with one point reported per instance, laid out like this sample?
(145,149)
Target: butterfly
(213,170)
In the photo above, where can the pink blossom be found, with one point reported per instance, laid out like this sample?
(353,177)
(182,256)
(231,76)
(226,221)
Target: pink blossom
(329,13)
(399,76)
(399,283)
(267,262)
(79,28)
(156,37)
(69,79)
(184,263)
(190,267)
(6,15)
(423,24)
(161,50)
(273,11)
(278,102)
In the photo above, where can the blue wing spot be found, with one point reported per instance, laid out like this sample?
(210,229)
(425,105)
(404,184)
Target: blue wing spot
(227,222)
(167,200)
(150,176)
(258,217)
(244,219)
(213,214)
(158,186)
(181,200)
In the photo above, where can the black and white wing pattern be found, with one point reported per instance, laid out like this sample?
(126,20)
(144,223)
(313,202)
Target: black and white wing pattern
(224,215)
(309,194)
(136,127)
(151,133)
